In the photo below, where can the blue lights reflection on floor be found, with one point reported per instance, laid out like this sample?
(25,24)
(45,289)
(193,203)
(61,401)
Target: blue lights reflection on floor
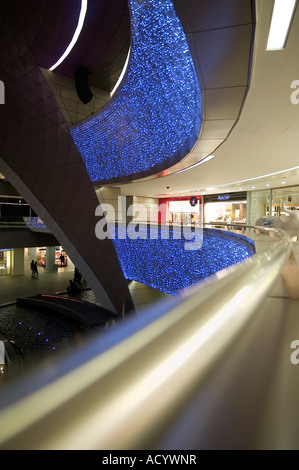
(154,119)
(166,265)
(38,333)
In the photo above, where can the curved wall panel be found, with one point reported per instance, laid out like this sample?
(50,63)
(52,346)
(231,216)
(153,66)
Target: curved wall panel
(38,155)
(155,118)
(164,263)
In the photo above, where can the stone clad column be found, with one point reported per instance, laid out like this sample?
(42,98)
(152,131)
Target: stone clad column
(17,268)
(50,259)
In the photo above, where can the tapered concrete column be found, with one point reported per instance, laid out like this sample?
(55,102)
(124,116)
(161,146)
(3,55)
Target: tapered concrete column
(38,154)
(50,259)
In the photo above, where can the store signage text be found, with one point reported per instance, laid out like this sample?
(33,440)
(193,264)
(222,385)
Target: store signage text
(142,224)
(225,197)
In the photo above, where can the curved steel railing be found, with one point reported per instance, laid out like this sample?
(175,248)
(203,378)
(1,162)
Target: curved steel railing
(147,383)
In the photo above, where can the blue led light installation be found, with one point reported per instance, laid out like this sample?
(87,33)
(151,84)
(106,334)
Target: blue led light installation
(154,119)
(35,224)
(166,265)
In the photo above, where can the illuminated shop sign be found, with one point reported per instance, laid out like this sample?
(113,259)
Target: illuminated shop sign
(240,196)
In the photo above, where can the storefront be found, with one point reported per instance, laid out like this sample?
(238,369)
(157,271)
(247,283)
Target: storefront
(227,208)
(272,202)
(183,210)
(281,199)
(59,261)
(5,261)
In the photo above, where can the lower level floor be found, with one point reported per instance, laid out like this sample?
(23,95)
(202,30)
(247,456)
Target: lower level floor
(57,280)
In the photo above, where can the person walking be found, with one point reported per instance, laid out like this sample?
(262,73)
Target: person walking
(35,270)
(32,268)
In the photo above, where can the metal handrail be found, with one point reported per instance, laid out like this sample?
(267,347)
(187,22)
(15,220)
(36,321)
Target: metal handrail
(12,221)
(133,388)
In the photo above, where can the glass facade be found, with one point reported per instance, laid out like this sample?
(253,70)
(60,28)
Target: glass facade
(272,202)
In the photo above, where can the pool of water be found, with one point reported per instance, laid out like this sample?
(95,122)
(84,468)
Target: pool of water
(40,335)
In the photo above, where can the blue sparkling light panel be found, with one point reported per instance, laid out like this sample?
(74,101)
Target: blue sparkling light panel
(154,119)
(166,265)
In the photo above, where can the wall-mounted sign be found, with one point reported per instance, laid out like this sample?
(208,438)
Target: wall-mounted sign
(239,196)
(193,201)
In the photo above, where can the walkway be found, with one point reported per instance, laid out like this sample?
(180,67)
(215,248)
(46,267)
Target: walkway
(13,287)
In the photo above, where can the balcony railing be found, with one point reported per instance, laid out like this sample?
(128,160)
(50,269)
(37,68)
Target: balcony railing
(165,379)
(32,223)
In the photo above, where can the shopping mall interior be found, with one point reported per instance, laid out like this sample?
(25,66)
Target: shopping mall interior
(149,225)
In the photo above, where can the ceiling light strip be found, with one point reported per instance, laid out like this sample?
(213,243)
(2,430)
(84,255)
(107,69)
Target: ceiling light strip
(280,23)
(244,181)
(122,74)
(76,34)
(204,160)
(260,177)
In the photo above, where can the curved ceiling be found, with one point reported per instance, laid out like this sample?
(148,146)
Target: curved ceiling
(220,39)
(262,148)
(102,46)
(263,141)
(154,119)
(219,36)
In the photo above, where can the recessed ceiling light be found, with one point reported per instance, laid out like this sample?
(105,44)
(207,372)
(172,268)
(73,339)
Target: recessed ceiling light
(268,184)
(75,36)
(253,187)
(283,182)
(280,23)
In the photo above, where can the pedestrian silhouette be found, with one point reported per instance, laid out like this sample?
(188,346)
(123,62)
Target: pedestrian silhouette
(35,270)
(32,268)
